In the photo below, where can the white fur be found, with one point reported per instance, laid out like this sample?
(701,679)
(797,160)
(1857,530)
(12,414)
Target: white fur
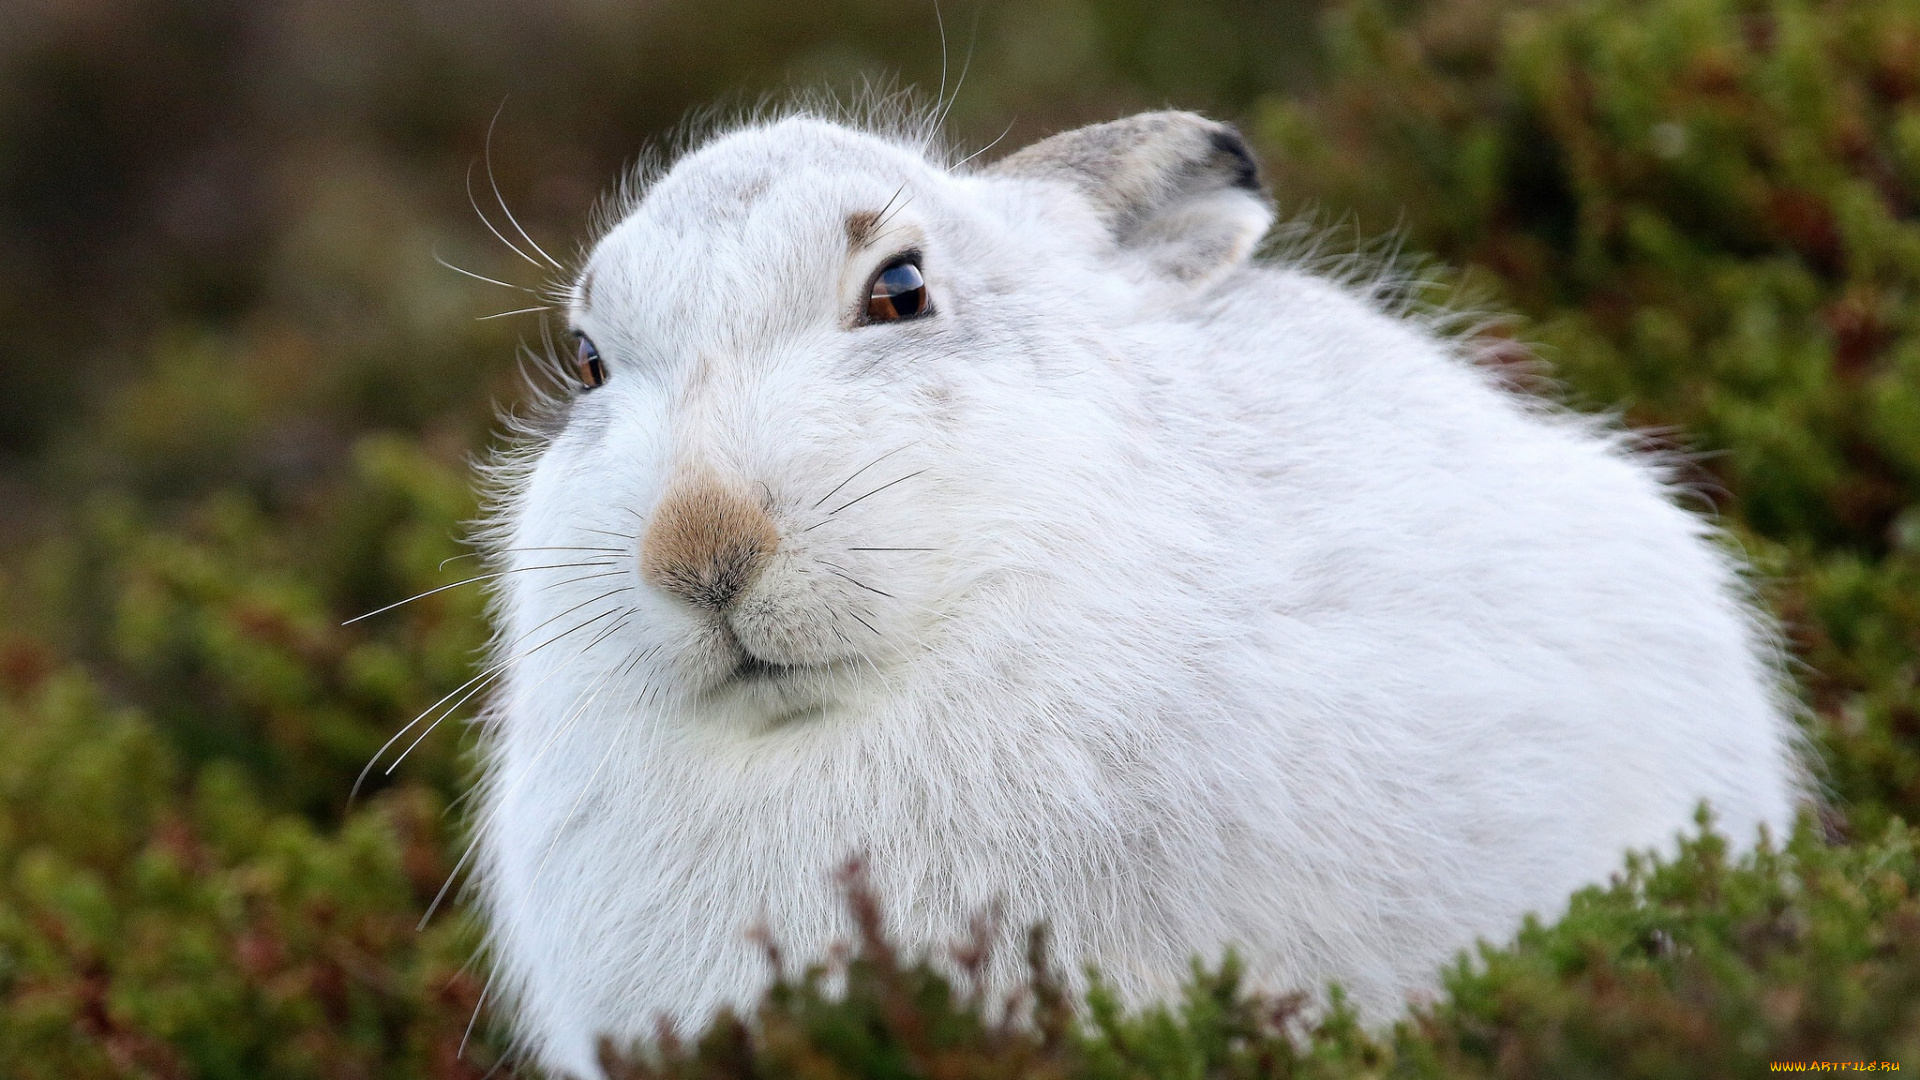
(1253,616)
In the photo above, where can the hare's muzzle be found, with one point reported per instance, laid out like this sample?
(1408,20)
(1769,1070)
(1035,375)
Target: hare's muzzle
(707,542)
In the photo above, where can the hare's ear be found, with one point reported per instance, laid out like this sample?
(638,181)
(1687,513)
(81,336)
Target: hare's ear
(1176,187)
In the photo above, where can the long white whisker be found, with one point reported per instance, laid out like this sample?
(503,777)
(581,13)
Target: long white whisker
(469,581)
(446,886)
(487,152)
(984,149)
(515,311)
(939,99)
(431,727)
(491,672)
(966,65)
(455,707)
(559,732)
(478,554)
(546,364)
(615,572)
(484,220)
(483,277)
(565,822)
(485,989)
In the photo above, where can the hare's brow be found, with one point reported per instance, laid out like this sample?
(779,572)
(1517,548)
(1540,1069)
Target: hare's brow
(860,226)
(586,290)
(862,223)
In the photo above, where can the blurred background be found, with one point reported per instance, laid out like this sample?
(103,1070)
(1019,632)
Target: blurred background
(239,397)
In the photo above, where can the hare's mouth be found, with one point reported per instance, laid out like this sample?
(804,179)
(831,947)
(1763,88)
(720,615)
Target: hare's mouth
(753,673)
(753,668)
(740,680)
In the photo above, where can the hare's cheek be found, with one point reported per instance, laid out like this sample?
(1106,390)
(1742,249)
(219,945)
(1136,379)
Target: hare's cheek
(939,406)
(814,607)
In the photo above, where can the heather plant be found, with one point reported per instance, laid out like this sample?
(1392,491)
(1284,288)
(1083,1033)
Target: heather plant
(156,922)
(1697,965)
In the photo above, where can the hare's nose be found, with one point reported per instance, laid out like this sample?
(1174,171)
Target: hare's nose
(707,542)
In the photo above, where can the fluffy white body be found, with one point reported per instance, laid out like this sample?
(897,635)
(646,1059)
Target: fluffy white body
(1181,601)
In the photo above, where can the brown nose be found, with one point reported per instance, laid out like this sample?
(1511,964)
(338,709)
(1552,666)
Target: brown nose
(707,542)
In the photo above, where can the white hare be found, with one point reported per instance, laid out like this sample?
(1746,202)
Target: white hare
(1012,527)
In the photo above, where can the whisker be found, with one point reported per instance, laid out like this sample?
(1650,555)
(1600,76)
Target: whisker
(515,311)
(455,707)
(469,581)
(478,554)
(857,472)
(543,379)
(487,152)
(486,989)
(437,721)
(497,1066)
(881,217)
(604,532)
(604,634)
(877,491)
(567,821)
(474,844)
(550,620)
(478,684)
(863,622)
(966,65)
(474,790)
(617,571)
(489,673)
(483,277)
(447,886)
(984,149)
(475,203)
(877,225)
(486,674)
(864,585)
(894,549)
(840,572)
(940,22)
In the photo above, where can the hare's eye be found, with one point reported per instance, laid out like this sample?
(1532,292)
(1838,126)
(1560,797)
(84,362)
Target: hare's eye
(587,363)
(898,292)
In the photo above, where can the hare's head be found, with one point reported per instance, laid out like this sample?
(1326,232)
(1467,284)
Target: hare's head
(840,405)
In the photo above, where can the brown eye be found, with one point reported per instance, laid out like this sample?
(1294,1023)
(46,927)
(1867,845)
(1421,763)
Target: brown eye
(588,365)
(899,292)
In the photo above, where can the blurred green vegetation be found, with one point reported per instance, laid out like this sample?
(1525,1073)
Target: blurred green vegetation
(237,398)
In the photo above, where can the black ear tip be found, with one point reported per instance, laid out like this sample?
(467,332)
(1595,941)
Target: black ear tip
(1246,171)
